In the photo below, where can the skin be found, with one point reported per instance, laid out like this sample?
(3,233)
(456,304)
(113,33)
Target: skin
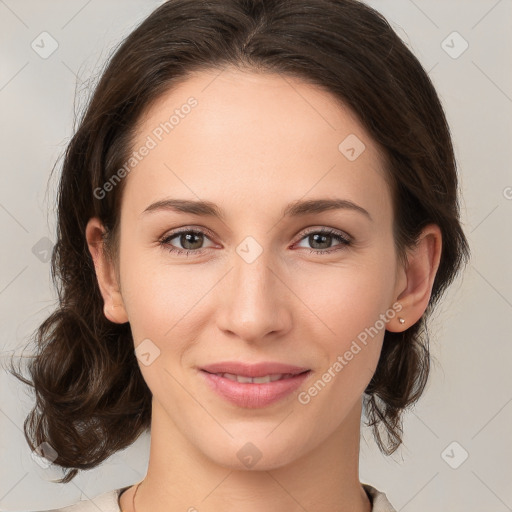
(253,144)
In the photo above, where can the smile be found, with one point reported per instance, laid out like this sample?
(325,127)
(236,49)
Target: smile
(254,392)
(255,380)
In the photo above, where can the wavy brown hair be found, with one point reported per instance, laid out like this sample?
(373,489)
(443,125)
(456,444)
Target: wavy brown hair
(91,398)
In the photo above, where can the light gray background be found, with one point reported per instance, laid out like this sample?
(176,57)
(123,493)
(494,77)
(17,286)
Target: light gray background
(468,399)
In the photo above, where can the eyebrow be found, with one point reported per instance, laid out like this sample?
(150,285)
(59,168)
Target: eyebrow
(294,209)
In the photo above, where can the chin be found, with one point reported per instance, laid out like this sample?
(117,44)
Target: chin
(255,453)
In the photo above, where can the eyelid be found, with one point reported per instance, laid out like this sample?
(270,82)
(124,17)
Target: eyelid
(187,229)
(327,231)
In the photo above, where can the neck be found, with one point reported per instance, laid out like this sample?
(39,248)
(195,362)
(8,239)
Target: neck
(180,477)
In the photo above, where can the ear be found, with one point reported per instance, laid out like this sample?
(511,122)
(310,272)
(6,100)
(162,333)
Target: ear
(113,307)
(414,285)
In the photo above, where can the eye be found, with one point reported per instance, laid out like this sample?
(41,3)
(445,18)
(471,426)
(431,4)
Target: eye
(190,240)
(322,238)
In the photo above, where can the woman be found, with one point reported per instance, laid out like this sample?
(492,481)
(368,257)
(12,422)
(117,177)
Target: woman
(261,200)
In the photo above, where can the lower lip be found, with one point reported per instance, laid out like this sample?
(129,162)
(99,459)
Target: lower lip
(251,395)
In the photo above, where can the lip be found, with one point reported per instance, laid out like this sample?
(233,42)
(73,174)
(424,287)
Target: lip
(253,395)
(252,370)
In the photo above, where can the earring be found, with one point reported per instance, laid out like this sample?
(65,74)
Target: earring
(401,320)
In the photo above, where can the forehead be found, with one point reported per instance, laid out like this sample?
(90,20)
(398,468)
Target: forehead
(233,135)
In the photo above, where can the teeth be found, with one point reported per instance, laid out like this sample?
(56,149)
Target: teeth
(255,380)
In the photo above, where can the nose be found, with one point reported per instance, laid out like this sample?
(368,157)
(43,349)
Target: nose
(254,300)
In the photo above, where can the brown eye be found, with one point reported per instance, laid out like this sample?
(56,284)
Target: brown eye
(191,241)
(321,241)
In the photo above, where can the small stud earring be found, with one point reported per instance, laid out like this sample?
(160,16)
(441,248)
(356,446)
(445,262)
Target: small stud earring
(401,320)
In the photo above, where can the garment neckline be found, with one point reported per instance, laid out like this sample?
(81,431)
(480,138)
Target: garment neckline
(371,492)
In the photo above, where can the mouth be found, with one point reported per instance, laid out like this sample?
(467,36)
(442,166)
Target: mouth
(262,369)
(265,379)
(245,389)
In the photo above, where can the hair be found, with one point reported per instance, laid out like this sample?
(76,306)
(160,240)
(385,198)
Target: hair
(91,398)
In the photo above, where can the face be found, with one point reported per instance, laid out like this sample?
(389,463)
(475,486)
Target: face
(258,283)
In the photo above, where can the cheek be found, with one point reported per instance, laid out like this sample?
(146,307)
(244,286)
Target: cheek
(348,298)
(160,300)
(351,304)
(163,305)
(349,335)
(169,304)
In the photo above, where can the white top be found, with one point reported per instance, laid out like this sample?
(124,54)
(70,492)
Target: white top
(108,502)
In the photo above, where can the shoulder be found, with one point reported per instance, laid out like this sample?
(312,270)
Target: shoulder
(380,502)
(106,502)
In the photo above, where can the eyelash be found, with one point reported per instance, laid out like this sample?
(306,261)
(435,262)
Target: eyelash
(344,241)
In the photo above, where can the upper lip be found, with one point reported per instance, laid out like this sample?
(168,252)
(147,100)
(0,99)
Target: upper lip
(252,370)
